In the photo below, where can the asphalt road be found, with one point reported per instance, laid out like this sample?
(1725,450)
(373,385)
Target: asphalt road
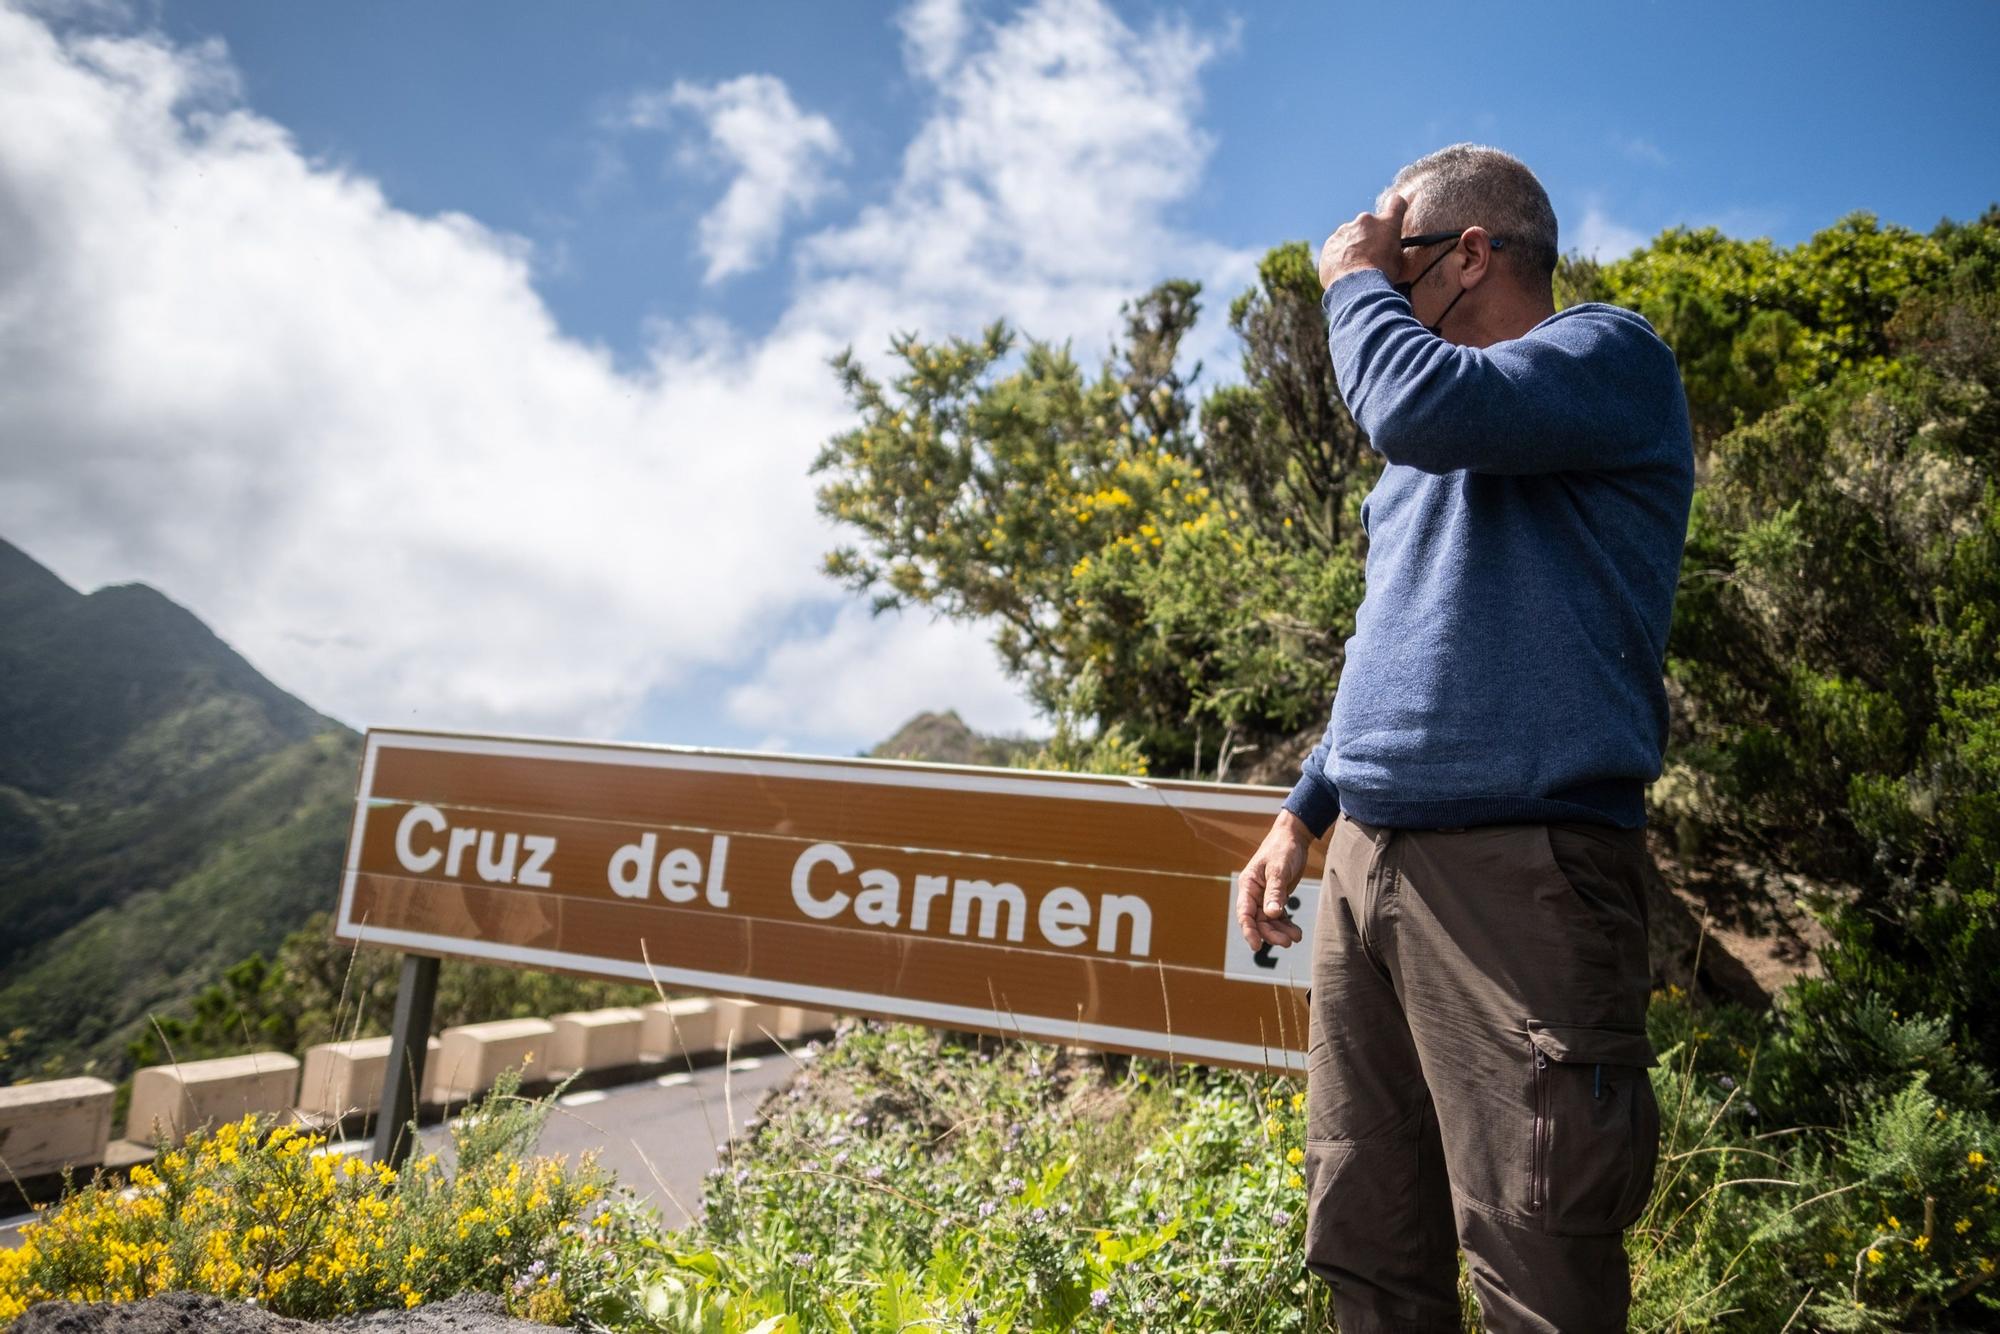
(661,1137)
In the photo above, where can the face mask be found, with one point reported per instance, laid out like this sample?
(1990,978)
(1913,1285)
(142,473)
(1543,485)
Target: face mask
(1404,289)
(1432,238)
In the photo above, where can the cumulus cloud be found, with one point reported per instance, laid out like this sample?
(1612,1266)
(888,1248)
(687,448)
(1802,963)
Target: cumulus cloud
(1038,187)
(934,32)
(1602,238)
(875,672)
(777,155)
(354,440)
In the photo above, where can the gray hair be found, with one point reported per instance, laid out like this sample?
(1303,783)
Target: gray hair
(1471,185)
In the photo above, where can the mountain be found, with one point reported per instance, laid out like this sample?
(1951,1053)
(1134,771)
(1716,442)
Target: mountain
(945,738)
(164,811)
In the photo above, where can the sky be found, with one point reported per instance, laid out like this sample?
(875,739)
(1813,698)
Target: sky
(462,363)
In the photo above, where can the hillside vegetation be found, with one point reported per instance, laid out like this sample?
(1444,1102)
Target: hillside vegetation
(164,811)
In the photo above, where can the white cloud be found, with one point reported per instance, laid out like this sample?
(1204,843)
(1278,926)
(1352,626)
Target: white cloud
(778,155)
(1601,238)
(1639,149)
(934,33)
(875,672)
(353,439)
(1039,185)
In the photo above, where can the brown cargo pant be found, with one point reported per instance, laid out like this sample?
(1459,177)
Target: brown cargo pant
(1476,1074)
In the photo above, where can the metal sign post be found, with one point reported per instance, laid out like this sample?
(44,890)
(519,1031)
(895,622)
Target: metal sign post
(409,1044)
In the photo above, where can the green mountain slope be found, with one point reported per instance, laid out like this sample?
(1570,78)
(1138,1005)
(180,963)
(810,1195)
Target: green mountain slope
(164,810)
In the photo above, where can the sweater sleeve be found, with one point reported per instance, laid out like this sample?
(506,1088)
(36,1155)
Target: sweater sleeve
(1315,799)
(1582,391)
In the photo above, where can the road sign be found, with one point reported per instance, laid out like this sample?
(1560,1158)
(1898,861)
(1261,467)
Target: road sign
(1062,907)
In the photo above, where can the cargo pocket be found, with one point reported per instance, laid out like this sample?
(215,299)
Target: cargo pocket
(1597,1128)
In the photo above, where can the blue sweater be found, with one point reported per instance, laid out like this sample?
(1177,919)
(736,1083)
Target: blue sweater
(1524,542)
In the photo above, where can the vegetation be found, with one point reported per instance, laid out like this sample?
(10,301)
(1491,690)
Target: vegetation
(1173,580)
(1183,581)
(164,811)
(263,1214)
(913,1179)
(910,1178)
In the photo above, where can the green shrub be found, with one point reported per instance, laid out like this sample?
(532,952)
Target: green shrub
(253,1213)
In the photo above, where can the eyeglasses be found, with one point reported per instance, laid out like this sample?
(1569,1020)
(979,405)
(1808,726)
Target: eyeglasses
(1432,238)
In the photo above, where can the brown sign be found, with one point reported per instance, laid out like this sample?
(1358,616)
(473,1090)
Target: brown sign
(1063,907)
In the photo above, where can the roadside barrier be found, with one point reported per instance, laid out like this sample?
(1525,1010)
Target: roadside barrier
(591,1040)
(471,1056)
(47,1127)
(171,1100)
(677,1027)
(344,1080)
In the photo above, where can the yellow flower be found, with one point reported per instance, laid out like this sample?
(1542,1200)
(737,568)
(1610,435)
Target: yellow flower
(1298,1101)
(1295,1157)
(1874,1256)
(1894,1226)
(1962,1226)
(1295,1181)
(1976,1158)
(1922,1243)
(1832,1259)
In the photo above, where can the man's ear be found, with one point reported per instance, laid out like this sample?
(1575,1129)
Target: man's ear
(1479,260)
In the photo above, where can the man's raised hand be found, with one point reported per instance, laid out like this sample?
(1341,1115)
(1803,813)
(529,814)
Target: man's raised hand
(1371,241)
(1266,882)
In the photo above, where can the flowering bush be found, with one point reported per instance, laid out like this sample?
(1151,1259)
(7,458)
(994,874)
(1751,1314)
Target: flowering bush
(271,1216)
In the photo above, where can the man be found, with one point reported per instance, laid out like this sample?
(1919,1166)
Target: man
(1477,1064)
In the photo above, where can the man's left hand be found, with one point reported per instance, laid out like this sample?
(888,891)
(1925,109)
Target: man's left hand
(1371,241)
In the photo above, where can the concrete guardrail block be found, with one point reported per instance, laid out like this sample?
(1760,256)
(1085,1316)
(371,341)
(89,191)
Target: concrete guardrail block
(49,1126)
(471,1056)
(171,1100)
(587,1040)
(744,1023)
(677,1027)
(804,1023)
(345,1079)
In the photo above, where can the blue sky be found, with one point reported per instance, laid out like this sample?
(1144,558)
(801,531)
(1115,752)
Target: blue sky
(461,363)
(1762,119)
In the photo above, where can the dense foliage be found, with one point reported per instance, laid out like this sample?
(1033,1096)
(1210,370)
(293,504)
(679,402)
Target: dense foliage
(1835,654)
(1193,590)
(914,1179)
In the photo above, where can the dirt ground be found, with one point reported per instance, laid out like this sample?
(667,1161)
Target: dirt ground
(187,1312)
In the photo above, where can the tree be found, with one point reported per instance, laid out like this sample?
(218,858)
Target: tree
(1189,583)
